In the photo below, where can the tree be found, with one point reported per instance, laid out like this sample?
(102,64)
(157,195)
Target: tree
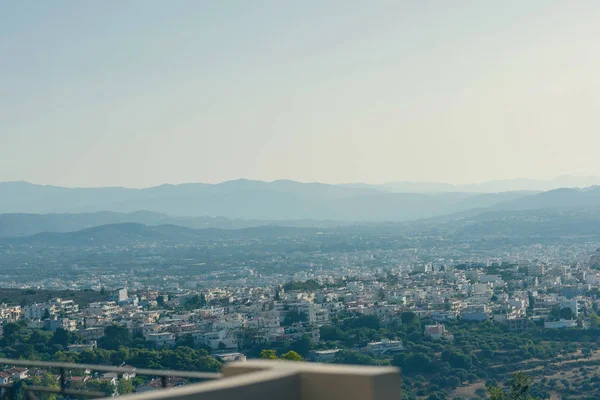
(519,388)
(185,340)
(364,321)
(354,357)
(291,356)
(124,386)
(222,346)
(329,332)
(457,360)
(48,381)
(417,362)
(408,317)
(437,396)
(302,346)
(594,321)
(160,300)
(60,337)
(10,329)
(114,337)
(105,387)
(268,355)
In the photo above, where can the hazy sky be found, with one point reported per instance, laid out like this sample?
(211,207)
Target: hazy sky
(138,93)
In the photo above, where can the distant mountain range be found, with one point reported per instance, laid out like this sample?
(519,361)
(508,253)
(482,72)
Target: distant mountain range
(17,225)
(552,225)
(27,209)
(507,185)
(125,234)
(243,199)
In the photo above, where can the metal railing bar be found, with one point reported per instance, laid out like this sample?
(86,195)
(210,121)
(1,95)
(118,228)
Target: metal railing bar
(108,368)
(74,392)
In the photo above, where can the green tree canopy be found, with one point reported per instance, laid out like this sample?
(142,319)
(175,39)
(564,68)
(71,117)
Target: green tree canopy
(519,388)
(268,355)
(291,356)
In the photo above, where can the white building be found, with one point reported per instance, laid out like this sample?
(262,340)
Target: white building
(563,323)
(56,307)
(437,332)
(161,339)
(10,313)
(36,312)
(385,346)
(477,312)
(572,304)
(325,355)
(121,295)
(318,315)
(80,348)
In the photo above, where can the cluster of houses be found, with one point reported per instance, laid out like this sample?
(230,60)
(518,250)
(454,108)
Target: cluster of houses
(230,319)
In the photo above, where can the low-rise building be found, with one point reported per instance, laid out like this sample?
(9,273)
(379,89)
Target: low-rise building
(80,348)
(437,332)
(324,355)
(385,346)
(563,323)
(161,339)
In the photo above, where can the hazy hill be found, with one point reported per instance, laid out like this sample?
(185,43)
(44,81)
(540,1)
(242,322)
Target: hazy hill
(126,234)
(113,234)
(507,185)
(243,199)
(559,198)
(582,224)
(30,224)
(551,225)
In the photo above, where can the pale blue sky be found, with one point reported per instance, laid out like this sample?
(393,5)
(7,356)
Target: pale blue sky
(139,93)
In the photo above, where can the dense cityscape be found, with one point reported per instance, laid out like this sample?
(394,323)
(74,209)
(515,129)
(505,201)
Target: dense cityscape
(456,315)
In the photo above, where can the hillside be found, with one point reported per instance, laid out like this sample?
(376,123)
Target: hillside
(16,225)
(26,297)
(506,185)
(127,234)
(539,225)
(112,234)
(559,198)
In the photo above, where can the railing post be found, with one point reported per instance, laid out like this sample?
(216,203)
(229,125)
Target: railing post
(12,395)
(163,381)
(62,380)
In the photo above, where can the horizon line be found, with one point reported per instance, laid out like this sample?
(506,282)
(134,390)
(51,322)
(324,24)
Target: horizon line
(374,185)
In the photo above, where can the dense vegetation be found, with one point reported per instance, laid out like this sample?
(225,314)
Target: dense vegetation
(115,348)
(480,353)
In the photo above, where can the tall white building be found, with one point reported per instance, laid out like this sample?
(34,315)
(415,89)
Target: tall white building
(56,307)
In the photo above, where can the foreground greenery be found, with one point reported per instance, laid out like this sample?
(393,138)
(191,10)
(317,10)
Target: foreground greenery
(117,348)
(481,352)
